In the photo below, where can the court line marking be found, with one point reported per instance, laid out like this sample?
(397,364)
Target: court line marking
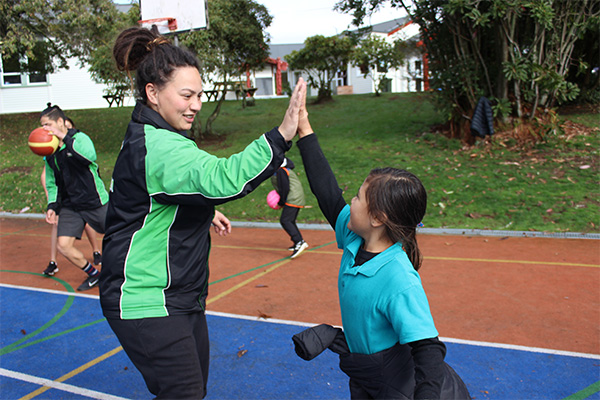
(309,324)
(247,281)
(58,385)
(485,260)
(71,374)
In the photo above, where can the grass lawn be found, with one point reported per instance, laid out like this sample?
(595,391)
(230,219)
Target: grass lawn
(551,186)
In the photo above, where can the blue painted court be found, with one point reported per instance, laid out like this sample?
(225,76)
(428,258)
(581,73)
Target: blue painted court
(57,345)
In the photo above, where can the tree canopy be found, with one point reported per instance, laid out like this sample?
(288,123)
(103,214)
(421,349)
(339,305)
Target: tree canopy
(48,33)
(375,57)
(234,43)
(321,58)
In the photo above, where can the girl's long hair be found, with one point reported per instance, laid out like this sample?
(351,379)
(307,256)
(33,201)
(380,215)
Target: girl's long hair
(398,199)
(151,55)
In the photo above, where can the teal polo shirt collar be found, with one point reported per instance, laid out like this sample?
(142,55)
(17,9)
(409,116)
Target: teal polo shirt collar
(371,267)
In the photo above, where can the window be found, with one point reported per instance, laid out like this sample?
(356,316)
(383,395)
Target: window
(341,78)
(418,67)
(20,70)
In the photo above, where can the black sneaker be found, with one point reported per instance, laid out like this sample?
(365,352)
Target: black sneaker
(89,283)
(51,269)
(97,258)
(291,248)
(299,248)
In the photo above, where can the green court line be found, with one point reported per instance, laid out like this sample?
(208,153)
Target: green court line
(585,393)
(265,265)
(63,311)
(51,336)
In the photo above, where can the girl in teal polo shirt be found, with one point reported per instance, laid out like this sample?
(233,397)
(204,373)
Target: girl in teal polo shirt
(393,343)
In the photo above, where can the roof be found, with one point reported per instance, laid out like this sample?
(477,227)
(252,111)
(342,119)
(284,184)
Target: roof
(282,50)
(389,26)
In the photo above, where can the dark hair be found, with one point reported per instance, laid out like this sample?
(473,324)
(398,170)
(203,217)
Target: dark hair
(53,112)
(151,55)
(398,199)
(67,119)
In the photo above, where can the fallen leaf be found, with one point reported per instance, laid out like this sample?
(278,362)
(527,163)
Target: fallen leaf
(241,353)
(262,315)
(23,332)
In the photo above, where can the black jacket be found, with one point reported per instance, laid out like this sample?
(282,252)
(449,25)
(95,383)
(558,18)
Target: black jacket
(388,374)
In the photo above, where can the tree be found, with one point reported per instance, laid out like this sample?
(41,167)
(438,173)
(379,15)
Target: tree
(375,57)
(321,58)
(515,52)
(234,43)
(101,64)
(48,33)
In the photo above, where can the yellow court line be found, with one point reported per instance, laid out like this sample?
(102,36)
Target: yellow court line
(74,372)
(562,264)
(486,260)
(247,281)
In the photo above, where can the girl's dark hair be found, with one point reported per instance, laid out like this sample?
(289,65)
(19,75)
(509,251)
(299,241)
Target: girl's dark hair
(398,199)
(151,55)
(67,119)
(53,112)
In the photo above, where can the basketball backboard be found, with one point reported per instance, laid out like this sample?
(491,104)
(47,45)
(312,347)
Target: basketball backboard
(173,16)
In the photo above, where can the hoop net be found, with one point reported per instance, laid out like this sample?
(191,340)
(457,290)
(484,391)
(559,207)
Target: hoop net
(164,25)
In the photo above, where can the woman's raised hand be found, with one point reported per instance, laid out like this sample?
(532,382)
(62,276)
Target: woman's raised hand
(289,125)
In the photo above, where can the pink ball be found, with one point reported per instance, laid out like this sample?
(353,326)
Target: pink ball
(273,199)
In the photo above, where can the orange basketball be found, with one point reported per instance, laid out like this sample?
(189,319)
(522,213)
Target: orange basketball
(42,143)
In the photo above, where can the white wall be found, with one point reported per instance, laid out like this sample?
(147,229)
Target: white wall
(70,89)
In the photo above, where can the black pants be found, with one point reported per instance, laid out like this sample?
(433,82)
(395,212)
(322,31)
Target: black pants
(172,353)
(288,222)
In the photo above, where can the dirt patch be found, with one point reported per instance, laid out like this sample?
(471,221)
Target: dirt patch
(19,170)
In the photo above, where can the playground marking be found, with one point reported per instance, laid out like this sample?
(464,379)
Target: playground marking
(57,384)
(247,281)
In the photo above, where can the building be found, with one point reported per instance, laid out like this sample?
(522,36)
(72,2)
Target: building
(412,77)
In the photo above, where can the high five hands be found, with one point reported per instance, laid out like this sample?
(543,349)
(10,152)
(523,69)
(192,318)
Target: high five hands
(289,125)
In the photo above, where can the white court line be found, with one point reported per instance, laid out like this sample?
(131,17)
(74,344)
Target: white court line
(308,324)
(58,385)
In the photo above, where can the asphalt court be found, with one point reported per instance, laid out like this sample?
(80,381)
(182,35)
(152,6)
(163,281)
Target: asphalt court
(519,315)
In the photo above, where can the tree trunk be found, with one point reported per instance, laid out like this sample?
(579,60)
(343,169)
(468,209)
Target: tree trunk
(215,113)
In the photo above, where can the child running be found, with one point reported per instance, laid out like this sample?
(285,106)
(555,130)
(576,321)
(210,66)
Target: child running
(394,347)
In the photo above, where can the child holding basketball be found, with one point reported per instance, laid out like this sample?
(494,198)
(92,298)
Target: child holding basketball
(75,191)
(391,336)
(91,234)
(154,279)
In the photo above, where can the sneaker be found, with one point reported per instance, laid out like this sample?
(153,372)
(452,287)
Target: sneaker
(89,283)
(97,258)
(51,269)
(299,248)
(291,248)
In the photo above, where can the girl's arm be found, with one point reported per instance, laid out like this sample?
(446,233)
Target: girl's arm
(320,176)
(428,355)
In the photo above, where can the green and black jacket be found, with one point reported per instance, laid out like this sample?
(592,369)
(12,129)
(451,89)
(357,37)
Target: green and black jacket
(162,198)
(72,177)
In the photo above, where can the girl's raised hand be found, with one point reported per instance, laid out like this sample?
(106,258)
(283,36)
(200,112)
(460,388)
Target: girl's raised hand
(289,125)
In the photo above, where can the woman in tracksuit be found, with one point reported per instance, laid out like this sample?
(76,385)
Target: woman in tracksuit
(154,279)
(394,350)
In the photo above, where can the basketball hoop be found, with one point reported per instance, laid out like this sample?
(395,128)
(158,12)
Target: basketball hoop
(163,25)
